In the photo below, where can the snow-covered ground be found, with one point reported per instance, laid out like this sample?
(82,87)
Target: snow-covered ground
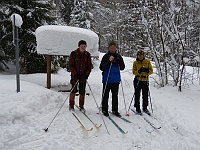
(24,115)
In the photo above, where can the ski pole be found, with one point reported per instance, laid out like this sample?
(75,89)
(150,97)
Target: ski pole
(98,107)
(133,95)
(60,107)
(127,114)
(106,84)
(149,96)
(131,101)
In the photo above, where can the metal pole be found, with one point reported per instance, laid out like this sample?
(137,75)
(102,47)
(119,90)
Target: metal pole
(127,114)
(149,96)
(16,42)
(106,84)
(133,93)
(61,107)
(97,107)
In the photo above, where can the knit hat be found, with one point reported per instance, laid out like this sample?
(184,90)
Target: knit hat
(112,43)
(82,42)
(140,52)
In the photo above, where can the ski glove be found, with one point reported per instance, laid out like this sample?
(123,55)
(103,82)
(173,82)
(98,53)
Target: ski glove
(143,69)
(78,76)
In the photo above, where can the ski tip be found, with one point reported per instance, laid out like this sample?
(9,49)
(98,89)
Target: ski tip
(89,129)
(98,126)
(125,132)
(45,129)
(127,115)
(86,128)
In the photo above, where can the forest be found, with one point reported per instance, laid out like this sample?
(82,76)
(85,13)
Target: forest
(167,30)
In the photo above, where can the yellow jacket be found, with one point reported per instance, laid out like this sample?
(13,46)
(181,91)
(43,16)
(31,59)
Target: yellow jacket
(137,64)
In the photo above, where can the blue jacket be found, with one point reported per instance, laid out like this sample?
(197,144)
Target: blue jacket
(111,71)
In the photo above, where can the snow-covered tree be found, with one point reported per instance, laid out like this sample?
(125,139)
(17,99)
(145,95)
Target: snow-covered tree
(81,15)
(65,8)
(34,14)
(169,25)
(114,22)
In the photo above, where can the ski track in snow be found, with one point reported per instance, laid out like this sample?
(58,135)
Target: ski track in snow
(25,115)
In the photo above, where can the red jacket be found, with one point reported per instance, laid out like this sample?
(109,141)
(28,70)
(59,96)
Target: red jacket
(80,63)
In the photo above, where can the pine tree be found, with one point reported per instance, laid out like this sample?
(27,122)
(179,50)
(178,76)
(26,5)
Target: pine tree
(34,14)
(81,15)
(66,7)
(3,57)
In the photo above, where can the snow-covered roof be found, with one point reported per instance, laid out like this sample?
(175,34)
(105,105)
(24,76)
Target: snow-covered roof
(61,40)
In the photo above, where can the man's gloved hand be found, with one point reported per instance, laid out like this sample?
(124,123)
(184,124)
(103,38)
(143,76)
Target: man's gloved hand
(86,76)
(143,69)
(78,76)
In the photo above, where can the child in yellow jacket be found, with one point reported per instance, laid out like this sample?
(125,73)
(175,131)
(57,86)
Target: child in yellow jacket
(142,68)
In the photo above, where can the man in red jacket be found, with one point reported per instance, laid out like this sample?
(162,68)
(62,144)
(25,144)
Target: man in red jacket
(80,66)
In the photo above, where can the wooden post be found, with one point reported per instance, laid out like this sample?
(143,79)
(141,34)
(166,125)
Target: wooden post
(49,71)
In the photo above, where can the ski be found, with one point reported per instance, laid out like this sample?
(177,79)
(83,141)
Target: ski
(150,123)
(148,113)
(82,123)
(118,127)
(126,120)
(140,114)
(122,118)
(96,125)
(150,116)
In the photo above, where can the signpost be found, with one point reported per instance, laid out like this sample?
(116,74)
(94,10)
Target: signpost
(17,22)
(62,40)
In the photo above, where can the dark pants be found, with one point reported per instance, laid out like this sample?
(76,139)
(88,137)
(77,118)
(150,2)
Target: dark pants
(141,85)
(114,87)
(81,87)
